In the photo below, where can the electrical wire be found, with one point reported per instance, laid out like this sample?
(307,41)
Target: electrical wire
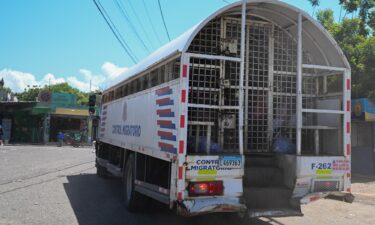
(227,1)
(121,9)
(162,16)
(150,21)
(139,22)
(115,31)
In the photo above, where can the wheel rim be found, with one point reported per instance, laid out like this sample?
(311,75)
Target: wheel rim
(129,185)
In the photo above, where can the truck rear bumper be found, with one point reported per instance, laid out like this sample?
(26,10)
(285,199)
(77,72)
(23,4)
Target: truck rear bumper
(193,207)
(344,196)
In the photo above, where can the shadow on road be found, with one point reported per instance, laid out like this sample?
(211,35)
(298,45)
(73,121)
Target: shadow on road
(97,201)
(359,178)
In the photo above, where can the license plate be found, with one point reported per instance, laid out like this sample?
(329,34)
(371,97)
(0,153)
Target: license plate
(230,162)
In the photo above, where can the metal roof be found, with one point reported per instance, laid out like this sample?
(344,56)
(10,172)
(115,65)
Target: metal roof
(321,46)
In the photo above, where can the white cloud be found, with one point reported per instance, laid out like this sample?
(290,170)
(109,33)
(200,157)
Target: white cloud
(49,78)
(88,78)
(112,71)
(18,81)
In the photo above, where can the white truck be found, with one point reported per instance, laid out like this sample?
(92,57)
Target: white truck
(248,111)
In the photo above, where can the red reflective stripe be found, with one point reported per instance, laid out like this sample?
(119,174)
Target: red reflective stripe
(348,106)
(183,96)
(348,150)
(182,121)
(165,145)
(164,122)
(163,111)
(184,71)
(348,127)
(180,172)
(181,149)
(179,196)
(348,84)
(348,190)
(163,100)
(164,133)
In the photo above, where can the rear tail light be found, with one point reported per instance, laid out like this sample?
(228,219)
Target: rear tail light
(206,188)
(330,184)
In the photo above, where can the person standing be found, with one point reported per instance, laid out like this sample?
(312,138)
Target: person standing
(60,138)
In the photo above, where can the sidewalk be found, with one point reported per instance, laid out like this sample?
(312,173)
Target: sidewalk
(49,144)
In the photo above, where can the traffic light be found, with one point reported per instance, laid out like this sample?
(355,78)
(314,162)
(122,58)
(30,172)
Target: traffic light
(92,102)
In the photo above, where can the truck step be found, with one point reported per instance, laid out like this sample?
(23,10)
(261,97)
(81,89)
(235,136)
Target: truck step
(264,198)
(263,161)
(263,177)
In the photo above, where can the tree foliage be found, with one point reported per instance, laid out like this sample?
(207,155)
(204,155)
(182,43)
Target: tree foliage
(32,93)
(355,37)
(314,4)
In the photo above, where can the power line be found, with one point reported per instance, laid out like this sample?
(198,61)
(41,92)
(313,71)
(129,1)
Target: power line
(227,1)
(131,25)
(150,21)
(139,21)
(115,31)
(162,16)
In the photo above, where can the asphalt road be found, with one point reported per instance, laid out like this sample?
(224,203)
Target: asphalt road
(51,185)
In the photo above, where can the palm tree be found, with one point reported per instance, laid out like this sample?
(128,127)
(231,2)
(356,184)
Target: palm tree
(314,4)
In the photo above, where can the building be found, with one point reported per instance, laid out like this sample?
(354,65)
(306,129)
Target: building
(39,122)
(363,135)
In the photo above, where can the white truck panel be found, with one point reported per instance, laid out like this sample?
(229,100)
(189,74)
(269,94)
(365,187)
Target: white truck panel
(145,122)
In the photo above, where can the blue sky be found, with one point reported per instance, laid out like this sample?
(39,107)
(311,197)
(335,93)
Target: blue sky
(45,41)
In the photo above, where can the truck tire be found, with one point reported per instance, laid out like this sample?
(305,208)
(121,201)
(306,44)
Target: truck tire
(134,201)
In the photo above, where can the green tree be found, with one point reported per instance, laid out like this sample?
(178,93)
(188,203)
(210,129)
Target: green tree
(325,17)
(5,89)
(358,46)
(371,21)
(32,93)
(29,94)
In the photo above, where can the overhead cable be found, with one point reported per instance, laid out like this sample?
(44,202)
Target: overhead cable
(115,31)
(162,16)
(150,21)
(139,22)
(131,25)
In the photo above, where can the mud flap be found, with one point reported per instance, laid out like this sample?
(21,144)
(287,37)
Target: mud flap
(193,207)
(277,212)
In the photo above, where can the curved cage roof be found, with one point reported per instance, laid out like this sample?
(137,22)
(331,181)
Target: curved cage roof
(320,45)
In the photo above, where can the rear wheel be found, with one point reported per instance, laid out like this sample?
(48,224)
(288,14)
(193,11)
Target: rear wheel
(134,201)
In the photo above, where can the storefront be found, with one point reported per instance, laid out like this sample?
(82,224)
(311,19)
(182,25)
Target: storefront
(363,135)
(65,116)
(40,122)
(19,124)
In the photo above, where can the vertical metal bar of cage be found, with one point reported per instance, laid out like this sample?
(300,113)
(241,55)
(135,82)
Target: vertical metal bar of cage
(242,71)
(221,91)
(347,112)
(347,124)
(271,47)
(246,124)
(299,86)
(182,130)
